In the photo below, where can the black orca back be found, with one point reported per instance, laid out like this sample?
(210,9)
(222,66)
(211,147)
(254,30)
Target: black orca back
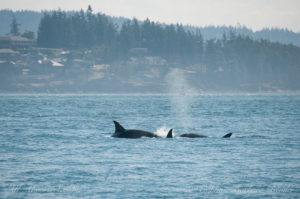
(121,132)
(193,135)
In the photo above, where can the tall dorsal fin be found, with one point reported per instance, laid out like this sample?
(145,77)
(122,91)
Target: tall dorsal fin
(170,135)
(118,127)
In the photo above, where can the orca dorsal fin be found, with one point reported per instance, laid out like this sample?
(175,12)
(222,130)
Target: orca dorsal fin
(170,135)
(228,135)
(119,127)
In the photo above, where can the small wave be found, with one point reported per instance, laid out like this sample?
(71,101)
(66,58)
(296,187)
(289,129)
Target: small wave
(252,136)
(107,136)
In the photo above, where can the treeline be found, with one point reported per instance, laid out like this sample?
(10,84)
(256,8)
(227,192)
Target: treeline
(88,30)
(243,61)
(29,21)
(79,30)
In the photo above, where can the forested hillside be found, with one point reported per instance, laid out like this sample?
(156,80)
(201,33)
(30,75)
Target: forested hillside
(29,21)
(86,52)
(256,61)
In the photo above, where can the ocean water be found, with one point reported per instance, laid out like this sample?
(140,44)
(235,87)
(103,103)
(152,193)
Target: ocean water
(59,146)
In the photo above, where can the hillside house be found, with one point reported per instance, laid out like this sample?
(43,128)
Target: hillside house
(16,42)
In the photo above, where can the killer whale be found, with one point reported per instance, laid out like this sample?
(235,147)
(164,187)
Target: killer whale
(228,135)
(170,134)
(121,132)
(195,135)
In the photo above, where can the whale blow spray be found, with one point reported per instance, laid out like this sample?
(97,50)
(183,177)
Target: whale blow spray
(181,97)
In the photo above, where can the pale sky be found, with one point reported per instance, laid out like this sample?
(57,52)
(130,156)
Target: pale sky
(255,14)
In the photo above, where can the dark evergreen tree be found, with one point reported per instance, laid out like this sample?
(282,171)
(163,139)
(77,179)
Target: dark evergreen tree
(14,27)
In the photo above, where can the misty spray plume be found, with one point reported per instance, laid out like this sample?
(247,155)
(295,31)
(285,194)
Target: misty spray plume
(181,96)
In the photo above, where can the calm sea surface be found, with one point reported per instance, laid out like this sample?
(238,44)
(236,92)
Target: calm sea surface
(59,146)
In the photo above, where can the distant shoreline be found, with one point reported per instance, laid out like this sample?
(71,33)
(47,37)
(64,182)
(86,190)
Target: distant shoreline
(145,94)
